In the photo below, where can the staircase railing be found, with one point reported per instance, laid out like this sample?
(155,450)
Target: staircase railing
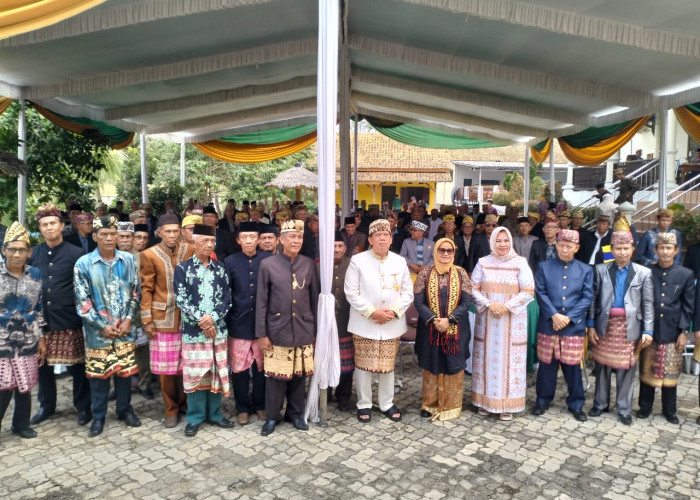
(671,196)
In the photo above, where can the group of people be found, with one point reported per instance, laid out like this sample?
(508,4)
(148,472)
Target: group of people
(211,310)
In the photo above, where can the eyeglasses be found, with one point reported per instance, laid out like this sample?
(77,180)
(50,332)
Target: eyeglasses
(446,251)
(490,224)
(21,251)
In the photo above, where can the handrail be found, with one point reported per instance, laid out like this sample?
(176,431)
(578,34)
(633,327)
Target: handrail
(634,175)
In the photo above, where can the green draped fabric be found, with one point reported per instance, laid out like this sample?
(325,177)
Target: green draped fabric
(540,145)
(694,108)
(424,137)
(272,136)
(114,135)
(593,135)
(533,315)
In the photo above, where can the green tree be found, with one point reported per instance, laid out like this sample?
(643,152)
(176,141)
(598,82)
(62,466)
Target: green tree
(62,165)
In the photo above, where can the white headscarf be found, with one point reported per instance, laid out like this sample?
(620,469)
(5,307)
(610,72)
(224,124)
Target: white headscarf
(492,243)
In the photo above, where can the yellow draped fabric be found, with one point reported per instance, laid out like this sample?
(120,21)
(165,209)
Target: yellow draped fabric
(254,153)
(594,155)
(541,156)
(21,16)
(5,103)
(689,121)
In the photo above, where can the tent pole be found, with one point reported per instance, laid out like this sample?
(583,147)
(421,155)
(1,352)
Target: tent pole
(552,180)
(144,180)
(22,155)
(661,123)
(182,162)
(526,182)
(355,187)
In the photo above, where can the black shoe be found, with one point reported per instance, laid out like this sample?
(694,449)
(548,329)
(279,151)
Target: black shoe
(26,433)
(191,430)
(673,419)
(97,427)
(223,423)
(41,415)
(147,393)
(625,419)
(597,412)
(425,414)
(84,416)
(299,424)
(268,427)
(343,405)
(112,395)
(538,410)
(130,419)
(578,415)
(643,413)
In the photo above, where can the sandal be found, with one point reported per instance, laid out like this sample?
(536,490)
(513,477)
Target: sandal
(483,412)
(362,412)
(390,414)
(506,417)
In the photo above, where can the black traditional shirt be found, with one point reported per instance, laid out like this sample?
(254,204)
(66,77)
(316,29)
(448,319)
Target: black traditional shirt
(243,274)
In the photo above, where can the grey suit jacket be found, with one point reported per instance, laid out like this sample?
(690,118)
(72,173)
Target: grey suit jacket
(639,299)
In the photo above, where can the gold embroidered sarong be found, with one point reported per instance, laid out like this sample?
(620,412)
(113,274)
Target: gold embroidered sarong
(376,356)
(283,363)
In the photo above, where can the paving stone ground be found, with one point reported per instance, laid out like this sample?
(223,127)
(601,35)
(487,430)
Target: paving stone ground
(546,457)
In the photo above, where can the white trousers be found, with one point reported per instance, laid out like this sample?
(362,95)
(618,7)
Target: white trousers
(363,387)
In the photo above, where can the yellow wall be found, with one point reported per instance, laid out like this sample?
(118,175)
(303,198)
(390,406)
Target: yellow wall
(366,192)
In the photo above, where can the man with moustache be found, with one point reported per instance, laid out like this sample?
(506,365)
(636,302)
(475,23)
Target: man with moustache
(267,239)
(65,344)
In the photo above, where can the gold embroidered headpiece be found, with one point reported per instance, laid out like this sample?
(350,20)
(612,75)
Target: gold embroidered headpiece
(622,234)
(241,216)
(667,239)
(448,218)
(106,222)
(190,220)
(137,214)
(16,232)
(292,226)
(380,225)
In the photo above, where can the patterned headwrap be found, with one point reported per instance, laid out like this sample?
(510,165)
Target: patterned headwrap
(282,215)
(667,239)
(534,215)
(550,217)
(468,219)
(382,225)
(106,222)
(125,227)
(565,213)
(83,217)
(292,226)
(16,232)
(48,210)
(191,220)
(448,218)
(242,216)
(491,218)
(570,235)
(418,225)
(137,214)
(390,214)
(577,213)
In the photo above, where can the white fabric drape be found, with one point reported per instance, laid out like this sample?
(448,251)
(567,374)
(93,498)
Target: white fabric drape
(327,353)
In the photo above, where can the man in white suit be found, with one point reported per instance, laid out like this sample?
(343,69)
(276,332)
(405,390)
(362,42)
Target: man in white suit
(379,289)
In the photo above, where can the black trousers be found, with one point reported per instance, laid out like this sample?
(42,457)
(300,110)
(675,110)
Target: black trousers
(668,398)
(241,390)
(23,407)
(275,392)
(344,389)
(47,387)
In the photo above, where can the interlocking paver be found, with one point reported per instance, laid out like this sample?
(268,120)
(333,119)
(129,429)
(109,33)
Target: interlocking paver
(550,457)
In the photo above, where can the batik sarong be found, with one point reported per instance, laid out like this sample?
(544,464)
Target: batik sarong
(442,395)
(614,350)
(205,366)
(118,359)
(660,365)
(242,353)
(65,347)
(566,349)
(283,363)
(20,372)
(376,356)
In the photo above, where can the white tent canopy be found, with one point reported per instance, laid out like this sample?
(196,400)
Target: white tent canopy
(504,70)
